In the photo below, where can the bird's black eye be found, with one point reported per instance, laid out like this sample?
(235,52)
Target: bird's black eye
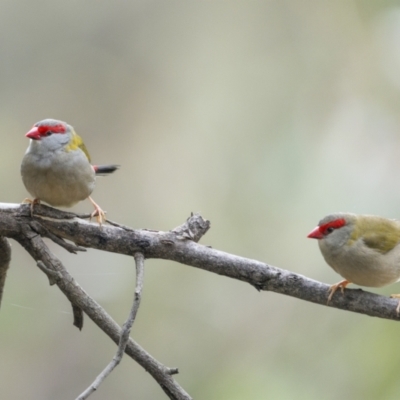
(48,133)
(330,229)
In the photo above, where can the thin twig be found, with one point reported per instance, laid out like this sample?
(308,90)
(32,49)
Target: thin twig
(125,331)
(39,228)
(77,312)
(5,258)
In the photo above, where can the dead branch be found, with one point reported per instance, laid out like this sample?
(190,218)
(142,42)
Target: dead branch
(180,245)
(18,228)
(5,258)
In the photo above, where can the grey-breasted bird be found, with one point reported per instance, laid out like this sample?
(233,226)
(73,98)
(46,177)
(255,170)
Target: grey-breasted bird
(363,249)
(56,167)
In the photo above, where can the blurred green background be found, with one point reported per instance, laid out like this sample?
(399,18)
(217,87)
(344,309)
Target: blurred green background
(264,116)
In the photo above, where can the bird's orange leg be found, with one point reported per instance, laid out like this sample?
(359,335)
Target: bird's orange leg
(336,286)
(396,296)
(98,212)
(32,203)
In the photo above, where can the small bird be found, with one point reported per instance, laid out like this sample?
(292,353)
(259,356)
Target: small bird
(363,249)
(56,167)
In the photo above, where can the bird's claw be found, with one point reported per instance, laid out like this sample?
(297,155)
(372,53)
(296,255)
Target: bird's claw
(396,296)
(98,212)
(32,203)
(336,286)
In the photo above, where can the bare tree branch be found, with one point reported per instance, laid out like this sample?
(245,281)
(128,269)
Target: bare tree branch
(125,331)
(58,274)
(77,296)
(177,245)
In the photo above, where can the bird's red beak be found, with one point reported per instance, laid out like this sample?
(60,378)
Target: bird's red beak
(315,234)
(33,134)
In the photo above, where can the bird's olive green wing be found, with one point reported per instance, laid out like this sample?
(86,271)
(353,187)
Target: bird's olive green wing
(380,242)
(381,235)
(77,143)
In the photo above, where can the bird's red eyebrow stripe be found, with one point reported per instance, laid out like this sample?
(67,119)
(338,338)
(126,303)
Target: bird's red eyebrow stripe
(59,128)
(337,223)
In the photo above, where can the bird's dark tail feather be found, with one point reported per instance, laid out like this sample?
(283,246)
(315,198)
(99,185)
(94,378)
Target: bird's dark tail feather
(105,169)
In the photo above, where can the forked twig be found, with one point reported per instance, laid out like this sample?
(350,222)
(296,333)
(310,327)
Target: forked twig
(125,331)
